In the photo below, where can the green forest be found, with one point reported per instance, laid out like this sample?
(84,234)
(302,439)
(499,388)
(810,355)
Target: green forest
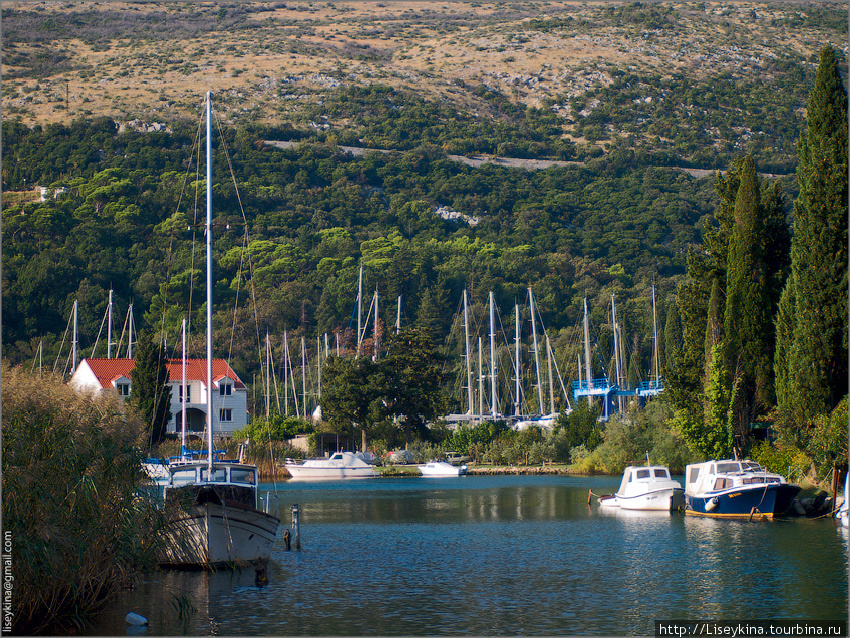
(293,227)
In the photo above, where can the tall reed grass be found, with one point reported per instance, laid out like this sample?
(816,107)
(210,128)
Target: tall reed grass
(72,477)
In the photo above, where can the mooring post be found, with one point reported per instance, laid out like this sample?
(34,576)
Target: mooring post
(296,526)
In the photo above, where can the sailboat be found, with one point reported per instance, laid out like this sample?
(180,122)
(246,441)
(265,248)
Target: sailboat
(213,505)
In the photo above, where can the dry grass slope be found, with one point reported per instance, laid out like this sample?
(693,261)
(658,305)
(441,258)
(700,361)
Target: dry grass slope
(153,61)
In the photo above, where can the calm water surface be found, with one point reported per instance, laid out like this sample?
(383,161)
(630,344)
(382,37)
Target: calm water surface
(499,555)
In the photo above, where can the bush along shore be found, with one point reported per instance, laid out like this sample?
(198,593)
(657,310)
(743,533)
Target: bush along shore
(72,510)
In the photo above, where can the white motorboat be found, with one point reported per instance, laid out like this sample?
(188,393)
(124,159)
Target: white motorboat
(646,488)
(212,506)
(441,468)
(733,488)
(340,465)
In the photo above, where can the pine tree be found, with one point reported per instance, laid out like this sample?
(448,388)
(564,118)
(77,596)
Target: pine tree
(817,354)
(150,394)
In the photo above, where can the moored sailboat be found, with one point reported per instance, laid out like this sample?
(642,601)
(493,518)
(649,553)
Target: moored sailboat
(212,505)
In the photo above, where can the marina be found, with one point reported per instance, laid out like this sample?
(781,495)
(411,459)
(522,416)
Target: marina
(498,555)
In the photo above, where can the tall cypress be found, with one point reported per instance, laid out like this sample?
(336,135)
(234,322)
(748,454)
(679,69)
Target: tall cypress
(150,393)
(818,352)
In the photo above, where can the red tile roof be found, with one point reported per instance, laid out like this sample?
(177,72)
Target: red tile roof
(106,370)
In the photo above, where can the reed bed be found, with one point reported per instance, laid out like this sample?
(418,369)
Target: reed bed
(72,509)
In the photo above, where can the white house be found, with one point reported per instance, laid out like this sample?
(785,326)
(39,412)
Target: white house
(229,394)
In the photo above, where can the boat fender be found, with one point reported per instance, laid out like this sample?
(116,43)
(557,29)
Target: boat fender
(711,504)
(135,619)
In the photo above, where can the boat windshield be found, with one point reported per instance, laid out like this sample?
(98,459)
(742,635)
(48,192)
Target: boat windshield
(218,475)
(661,473)
(723,468)
(239,475)
(752,466)
(643,474)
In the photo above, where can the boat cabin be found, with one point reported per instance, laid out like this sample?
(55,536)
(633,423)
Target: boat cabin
(231,482)
(635,478)
(720,475)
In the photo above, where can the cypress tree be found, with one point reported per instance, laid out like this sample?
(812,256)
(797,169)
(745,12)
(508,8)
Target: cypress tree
(150,394)
(748,320)
(817,354)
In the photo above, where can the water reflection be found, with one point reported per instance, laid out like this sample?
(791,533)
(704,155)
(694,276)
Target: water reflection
(503,556)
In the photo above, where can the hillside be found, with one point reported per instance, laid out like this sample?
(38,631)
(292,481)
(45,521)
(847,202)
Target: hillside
(616,117)
(733,74)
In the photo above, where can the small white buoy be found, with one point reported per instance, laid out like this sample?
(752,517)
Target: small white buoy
(135,619)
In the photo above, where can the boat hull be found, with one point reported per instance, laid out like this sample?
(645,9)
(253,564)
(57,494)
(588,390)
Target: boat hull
(663,500)
(299,472)
(759,501)
(213,534)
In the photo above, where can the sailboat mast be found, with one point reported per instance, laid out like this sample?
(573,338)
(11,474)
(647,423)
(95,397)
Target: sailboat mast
(468,354)
(655,336)
(551,383)
(494,401)
(209,287)
(359,308)
(183,397)
(517,401)
(375,335)
(480,379)
(74,342)
(109,328)
(398,315)
(130,337)
(587,346)
(536,352)
(319,364)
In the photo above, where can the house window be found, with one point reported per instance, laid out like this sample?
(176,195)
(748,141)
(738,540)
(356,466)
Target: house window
(188,393)
(225,415)
(225,389)
(123,389)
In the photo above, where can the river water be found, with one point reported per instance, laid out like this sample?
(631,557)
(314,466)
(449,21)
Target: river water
(501,555)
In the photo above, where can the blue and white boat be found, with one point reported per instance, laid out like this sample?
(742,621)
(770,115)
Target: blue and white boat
(736,489)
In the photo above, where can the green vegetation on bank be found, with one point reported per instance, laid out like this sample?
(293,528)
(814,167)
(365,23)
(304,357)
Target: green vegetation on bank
(72,478)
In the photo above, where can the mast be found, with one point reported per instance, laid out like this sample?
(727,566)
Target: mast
(285,374)
(517,402)
(268,377)
(375,335)
(398,315)
(655,336)
(549,368)
(130,337)
(359,308)
(493,399)
(109,328)
(587,347)
(480,379)
(74,342)
(617,347)
(209,287)
(304,376)
(183,402)
(468,361)
(319,363)
(536,353)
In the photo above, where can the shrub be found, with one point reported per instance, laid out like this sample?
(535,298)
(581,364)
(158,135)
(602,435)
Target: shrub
(72,470)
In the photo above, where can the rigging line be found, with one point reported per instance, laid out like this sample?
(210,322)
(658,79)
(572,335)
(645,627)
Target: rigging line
(62,345)
(245,221)
(238,288)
